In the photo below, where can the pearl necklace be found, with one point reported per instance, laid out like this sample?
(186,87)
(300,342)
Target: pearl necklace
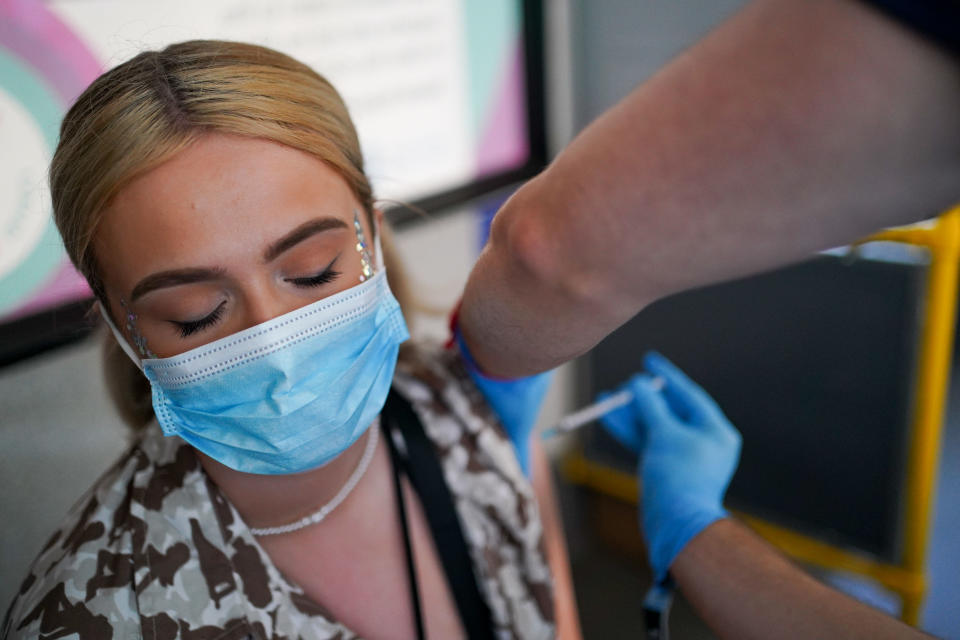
(321,513)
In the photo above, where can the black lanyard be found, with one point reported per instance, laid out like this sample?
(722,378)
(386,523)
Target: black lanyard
(407,547)
(413,454)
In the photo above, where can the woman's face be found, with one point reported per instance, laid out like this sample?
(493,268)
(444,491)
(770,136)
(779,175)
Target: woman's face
(229,233)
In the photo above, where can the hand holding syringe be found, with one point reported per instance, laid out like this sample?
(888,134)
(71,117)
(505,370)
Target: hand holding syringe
(594,411)
(687,449)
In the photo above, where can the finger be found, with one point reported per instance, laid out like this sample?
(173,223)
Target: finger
(688,399)
(651,407)
(622,424)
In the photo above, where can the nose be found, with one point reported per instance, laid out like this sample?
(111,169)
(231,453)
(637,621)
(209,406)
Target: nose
(266,303)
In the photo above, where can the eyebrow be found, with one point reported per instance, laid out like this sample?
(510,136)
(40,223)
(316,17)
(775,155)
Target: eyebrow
(176,277)
(172,278)
(301,233)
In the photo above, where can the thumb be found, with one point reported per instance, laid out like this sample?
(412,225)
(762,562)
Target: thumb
(649,403)
(621,423)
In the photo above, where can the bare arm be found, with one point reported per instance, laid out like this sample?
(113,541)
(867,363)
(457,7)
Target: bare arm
(793,127)
(745,589)
(565,603)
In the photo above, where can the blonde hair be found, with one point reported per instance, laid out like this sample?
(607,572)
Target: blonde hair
(142,112)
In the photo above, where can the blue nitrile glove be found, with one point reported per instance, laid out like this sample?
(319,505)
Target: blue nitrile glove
(516,401)
(688,453)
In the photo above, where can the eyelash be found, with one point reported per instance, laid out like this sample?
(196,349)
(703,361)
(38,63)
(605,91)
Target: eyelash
(189,328)
(328,275)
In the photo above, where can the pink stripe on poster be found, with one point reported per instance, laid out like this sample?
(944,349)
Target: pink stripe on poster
(503,143)
(38,37)
(65,286)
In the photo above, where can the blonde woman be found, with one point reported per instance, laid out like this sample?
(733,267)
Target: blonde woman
(289,477)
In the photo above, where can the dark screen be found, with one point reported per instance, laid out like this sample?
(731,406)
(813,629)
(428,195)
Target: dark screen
(814,364)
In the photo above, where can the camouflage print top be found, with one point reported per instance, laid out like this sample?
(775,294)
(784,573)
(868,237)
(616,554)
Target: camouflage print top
(155,551)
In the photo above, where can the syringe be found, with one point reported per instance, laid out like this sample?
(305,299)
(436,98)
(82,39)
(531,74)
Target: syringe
(594,411)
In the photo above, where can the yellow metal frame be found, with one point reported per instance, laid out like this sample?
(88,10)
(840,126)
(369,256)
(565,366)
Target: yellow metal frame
(907,578)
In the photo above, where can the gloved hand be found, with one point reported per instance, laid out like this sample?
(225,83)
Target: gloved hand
(516,401)
(688,453)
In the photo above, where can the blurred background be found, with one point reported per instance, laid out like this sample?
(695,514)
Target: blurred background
(457,102)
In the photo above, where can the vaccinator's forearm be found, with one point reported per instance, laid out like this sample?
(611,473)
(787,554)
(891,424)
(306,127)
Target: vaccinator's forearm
(793,127)
(744,589)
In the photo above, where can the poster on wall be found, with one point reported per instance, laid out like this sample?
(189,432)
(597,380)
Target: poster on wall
(438,90)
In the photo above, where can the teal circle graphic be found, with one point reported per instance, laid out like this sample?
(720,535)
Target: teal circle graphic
(46,257)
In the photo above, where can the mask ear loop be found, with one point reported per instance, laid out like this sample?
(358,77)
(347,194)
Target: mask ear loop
(121,340)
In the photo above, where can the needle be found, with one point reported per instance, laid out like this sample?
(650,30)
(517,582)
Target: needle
(596,410)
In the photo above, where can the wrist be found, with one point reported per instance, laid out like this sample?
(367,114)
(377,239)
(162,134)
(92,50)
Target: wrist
(669,530)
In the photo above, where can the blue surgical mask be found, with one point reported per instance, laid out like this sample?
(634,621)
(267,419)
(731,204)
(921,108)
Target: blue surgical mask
(287,395)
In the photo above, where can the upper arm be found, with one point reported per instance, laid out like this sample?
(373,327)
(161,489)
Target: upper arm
(792,128)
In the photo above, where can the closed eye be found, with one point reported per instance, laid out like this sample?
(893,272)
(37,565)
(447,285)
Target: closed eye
(315,281)
(327,275)
(193,326)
